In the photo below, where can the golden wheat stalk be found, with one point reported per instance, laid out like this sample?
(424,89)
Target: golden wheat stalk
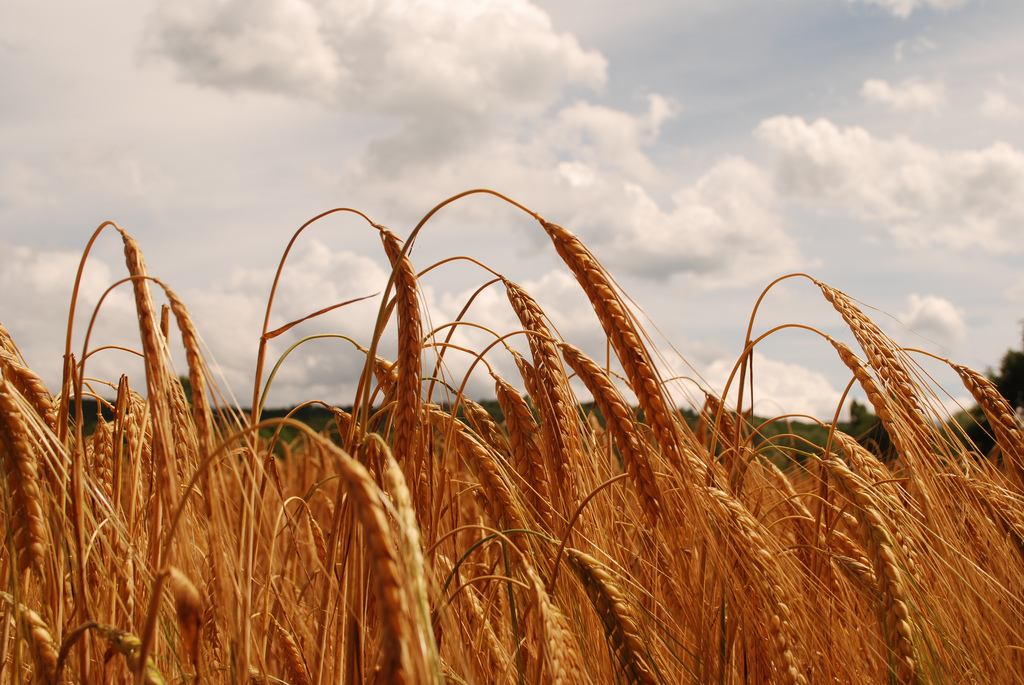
(28,383)
(1001,417)
(635,452)
(553,397)
(621,330)
(405,443)
(618,616)
(898,628)
(523,434)
(21,455)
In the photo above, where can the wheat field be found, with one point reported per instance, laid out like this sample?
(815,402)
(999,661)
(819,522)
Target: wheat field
(422,539)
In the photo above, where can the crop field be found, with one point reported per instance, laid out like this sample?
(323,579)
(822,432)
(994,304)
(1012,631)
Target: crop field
(585,534)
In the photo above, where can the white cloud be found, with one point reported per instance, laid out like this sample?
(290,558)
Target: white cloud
(229,315)
(723,227)
(918,194)
(910,94)
(917,46)
(935,318)
(37,318)
(586,167)
(274,45)
(449,73)
(473,84)
(997,105)
(392,57)
(611,137)
(82,170)
(904,8)
(452,73)
(780,388)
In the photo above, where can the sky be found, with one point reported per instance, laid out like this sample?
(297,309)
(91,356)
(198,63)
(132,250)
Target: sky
(700,149)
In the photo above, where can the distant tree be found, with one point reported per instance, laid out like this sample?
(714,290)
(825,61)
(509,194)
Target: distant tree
(861,419)
(868,430)
(1010,381)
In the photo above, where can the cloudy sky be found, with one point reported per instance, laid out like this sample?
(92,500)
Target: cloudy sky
(701,149)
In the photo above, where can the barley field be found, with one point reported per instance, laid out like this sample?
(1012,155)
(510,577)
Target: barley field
(419,538)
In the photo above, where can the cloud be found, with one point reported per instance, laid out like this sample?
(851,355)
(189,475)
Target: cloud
(721,228)
(449,73)
(586,167)
(997,105)
(477,88)
(610,137)
(403,57)
(272,45)
(37,318)
(82,170)
(910,94)
(227,313)
(230,312)
(935,318)
(916,194)
(918,46)
(781,387)
(904,8)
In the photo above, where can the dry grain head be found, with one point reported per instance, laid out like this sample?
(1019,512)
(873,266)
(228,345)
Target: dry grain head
(188,607)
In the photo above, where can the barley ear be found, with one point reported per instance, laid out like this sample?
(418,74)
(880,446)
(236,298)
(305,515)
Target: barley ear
(617,615)
(635,452)
(188,607)
(19,454)
(561,661)
(407,391)
(293,660)
(29,384)
(37,634)
(897,625)
(1000,416)
(626,338)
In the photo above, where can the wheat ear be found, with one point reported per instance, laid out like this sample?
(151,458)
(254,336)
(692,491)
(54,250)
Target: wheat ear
(393,611)
(762,568)
(202,416)
(20,455)
(908,426)
(188,608)
(635,452)
(880,546)
(621,330)
(130,647)
(1000,416)
(617,615)
(293,660)
(553,400)
(522,434)
(28,383)
(484,426)
(412,554)
(405,443)
(502,504)
(40,641)
(157,381)
(560,659)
